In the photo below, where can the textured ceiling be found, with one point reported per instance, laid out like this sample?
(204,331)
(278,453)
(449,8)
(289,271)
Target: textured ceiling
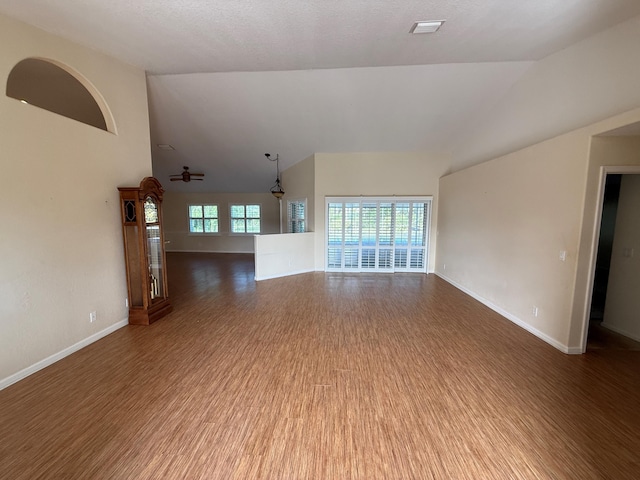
(193,36)
(232,79)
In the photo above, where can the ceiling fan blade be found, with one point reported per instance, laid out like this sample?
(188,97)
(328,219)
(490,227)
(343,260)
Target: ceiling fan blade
(176,179)
(197,174)
(198,179)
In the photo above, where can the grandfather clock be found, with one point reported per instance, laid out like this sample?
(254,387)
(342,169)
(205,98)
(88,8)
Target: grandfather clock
(144,253)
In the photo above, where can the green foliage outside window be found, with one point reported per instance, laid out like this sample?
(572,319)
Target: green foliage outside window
(203,219)
(245,218)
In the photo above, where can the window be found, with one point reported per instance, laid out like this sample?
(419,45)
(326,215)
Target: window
(203,218)
(295,215)
(245,218)
(378,234)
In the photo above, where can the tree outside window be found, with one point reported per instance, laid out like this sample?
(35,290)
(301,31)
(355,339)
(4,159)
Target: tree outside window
(203,219)
(245,218)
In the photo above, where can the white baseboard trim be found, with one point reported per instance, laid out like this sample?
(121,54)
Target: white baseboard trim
(542,336)
(615,329)
(16,377)
(574,350)
(297,272)
(208,251)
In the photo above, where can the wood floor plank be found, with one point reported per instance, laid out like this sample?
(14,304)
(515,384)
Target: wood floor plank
(322,376)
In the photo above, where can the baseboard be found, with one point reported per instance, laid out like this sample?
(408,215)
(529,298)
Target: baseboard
(542,336)
(615,329)
(574,350)
(208,251)
(16,377)
(297,272)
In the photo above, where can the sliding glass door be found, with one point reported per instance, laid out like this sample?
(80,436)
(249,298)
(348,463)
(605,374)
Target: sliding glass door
(377,234)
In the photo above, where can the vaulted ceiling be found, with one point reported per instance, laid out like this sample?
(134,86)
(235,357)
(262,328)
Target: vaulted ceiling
(230,80)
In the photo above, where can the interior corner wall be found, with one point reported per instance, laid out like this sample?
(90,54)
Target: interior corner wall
(376,174)
(503,225)
(298,183)
(176,221)
(604,151)
(587,82)
(61,244)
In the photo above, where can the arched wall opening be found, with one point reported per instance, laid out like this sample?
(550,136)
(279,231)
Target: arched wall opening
(56,87)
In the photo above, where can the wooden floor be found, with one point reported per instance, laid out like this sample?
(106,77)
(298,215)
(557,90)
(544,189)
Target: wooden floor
(601,337)
(323,376)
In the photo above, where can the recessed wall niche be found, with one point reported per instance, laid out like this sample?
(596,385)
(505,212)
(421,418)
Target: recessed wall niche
(46,85)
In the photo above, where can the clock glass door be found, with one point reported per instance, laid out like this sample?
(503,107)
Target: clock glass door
(154,249)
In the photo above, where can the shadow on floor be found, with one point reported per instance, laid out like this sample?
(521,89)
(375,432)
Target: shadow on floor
(601,338)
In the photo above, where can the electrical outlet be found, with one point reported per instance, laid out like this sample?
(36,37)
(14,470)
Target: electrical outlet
(444,266)
(126,302)
(563,255)
(92,317)
(534,311)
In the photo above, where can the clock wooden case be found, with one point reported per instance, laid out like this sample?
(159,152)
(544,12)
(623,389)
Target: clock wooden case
(144,252)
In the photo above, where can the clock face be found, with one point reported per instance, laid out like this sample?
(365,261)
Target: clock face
(150,210)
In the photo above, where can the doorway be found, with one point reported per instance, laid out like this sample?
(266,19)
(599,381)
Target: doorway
(612,323)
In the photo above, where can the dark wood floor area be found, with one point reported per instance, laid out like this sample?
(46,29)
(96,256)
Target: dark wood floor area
(322,376)
(602,338)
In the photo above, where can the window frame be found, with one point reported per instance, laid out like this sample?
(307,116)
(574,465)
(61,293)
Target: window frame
(355,242)
(291,220)
(245,218)
(203,218)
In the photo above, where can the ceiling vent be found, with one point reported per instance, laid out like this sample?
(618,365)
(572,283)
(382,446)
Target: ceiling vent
(430,26)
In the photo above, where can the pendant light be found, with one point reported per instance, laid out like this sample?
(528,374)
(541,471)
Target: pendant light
(276,190)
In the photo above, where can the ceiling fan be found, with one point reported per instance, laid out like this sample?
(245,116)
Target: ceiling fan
(186,176)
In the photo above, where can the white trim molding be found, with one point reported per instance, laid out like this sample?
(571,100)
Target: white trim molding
(280,275)
(50,360)
(518,321)
(595,239)
(620,331)
(210,251)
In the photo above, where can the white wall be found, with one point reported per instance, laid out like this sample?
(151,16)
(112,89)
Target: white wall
(61,242)
(585,83)
(282,255)
(622,308)
(376,174)
(298,182)
(176,221)
(502,225)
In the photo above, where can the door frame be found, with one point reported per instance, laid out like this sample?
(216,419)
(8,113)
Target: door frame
(381,198)
(595,240)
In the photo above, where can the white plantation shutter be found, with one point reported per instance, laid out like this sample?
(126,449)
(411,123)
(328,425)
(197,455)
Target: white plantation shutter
(335,240)
(351,236)
(377,234)
(296,211)
(401,235)
(368,235)
(385,236)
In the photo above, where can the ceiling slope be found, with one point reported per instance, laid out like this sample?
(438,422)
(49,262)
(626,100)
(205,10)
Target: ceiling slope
(223,123)
(232,79)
